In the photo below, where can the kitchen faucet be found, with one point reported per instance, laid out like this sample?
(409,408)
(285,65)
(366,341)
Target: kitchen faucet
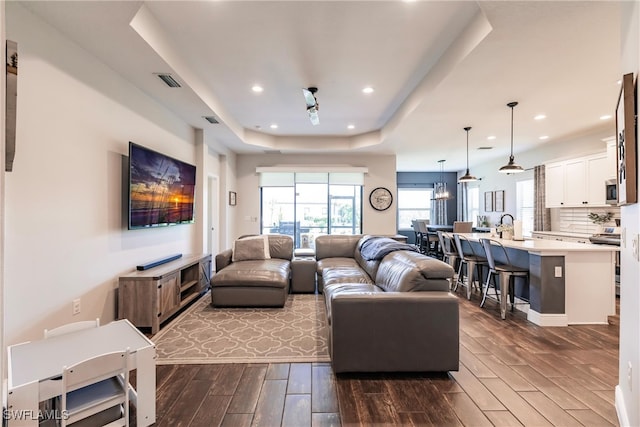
(509,215)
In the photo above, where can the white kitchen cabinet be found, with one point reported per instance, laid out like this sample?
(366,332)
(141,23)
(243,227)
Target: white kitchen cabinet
(597,174)
(577,182)
(554,184)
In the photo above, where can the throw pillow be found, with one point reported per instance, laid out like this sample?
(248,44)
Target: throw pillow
(251,248)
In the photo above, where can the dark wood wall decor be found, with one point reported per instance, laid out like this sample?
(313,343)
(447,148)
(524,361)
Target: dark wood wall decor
(626,143)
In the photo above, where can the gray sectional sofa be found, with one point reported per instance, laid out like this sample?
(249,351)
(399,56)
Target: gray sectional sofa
(258,278)
(393,314)
(388,308)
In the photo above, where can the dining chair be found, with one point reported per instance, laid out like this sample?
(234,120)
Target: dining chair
(428,240)
(97,390)
(473,262)
(449,254)
(422,234)
(506,272)
(416,232)
(71,327)
(462,226)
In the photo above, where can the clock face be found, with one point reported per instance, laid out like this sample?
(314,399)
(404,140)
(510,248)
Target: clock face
(380,199)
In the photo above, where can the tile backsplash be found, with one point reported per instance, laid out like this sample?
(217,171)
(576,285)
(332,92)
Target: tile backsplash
(576,220)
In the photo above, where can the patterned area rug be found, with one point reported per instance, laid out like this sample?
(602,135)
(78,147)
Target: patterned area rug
(204,334)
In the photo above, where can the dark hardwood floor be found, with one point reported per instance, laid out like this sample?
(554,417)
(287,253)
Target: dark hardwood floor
(512,373)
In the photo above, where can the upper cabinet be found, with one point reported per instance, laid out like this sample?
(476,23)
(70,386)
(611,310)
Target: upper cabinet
(578,182)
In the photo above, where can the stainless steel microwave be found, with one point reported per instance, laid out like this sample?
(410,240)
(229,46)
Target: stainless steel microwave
(612,192)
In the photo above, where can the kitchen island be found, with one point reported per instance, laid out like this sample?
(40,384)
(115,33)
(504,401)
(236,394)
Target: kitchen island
(569,283)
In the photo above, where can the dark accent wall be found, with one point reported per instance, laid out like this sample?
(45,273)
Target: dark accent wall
(428,179)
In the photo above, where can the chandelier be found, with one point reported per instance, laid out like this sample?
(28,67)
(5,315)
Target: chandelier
(441,188)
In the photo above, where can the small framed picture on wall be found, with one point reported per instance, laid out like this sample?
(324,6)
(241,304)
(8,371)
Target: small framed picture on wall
(499,201)
(488,201)
(232,198)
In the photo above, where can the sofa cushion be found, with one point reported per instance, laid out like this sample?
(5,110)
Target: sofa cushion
(329,263)
(346,288)
(355,274)
(336,246)
(251,248)
(280,246)
(403,271)
(259,273)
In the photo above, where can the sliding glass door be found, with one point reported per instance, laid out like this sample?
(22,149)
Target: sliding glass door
(312,205)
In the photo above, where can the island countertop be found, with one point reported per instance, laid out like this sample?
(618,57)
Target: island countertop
(544,247)
(570,283)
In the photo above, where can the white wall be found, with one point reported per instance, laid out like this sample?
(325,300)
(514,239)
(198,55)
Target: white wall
(492,180)
(382,173)
(65,232)
(628,390)
(3,40)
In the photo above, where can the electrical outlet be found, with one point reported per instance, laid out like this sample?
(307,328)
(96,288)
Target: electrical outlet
(634,246)
(629,374)
(76,306)
(558,271)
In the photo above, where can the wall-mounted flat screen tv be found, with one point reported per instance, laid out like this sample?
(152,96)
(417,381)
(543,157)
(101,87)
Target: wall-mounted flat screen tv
(161,189)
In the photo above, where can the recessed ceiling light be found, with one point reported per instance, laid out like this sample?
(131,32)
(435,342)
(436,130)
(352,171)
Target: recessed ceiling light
(540,117)
(257,88)
(274,126)
(351,127)
(367,89)
(491,137)
(543,137)
(605,117)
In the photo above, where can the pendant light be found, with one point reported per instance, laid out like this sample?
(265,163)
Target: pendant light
(467,176)
(441,190)
(511,167)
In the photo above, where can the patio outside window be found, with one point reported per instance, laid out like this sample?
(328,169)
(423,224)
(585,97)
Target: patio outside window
(307,205)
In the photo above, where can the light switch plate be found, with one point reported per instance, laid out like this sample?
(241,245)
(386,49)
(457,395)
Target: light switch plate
(634,247)
(558,271)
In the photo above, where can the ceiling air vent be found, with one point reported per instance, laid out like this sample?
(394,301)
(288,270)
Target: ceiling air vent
(485,148)
(169,80)
(211,120)
(272,152)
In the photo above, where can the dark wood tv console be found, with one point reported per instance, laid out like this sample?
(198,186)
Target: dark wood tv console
(149,297)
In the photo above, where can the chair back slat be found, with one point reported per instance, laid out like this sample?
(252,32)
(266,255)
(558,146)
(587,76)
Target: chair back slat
(486,244)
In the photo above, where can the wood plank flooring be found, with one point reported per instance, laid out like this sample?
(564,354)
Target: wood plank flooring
(512,373)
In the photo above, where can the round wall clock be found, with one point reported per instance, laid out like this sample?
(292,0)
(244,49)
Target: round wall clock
(380,199)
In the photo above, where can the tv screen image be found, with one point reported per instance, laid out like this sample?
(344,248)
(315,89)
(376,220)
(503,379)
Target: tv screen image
(161,189)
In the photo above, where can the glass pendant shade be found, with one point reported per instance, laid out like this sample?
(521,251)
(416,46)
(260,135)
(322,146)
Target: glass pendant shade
(467,177)
(441,190)
(511,167)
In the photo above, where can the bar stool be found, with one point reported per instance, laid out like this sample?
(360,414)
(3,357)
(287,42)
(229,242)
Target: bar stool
(473,262)
(506,272)
(449,255)
(416,233)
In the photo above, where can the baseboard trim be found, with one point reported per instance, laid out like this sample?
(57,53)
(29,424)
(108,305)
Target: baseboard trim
(542,319)
(621,408)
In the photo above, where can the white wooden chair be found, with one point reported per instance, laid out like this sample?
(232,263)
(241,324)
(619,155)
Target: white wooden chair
(97,388)
(71,327)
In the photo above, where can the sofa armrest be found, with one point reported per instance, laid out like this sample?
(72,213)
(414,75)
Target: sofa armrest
(223,259)
(395,332)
